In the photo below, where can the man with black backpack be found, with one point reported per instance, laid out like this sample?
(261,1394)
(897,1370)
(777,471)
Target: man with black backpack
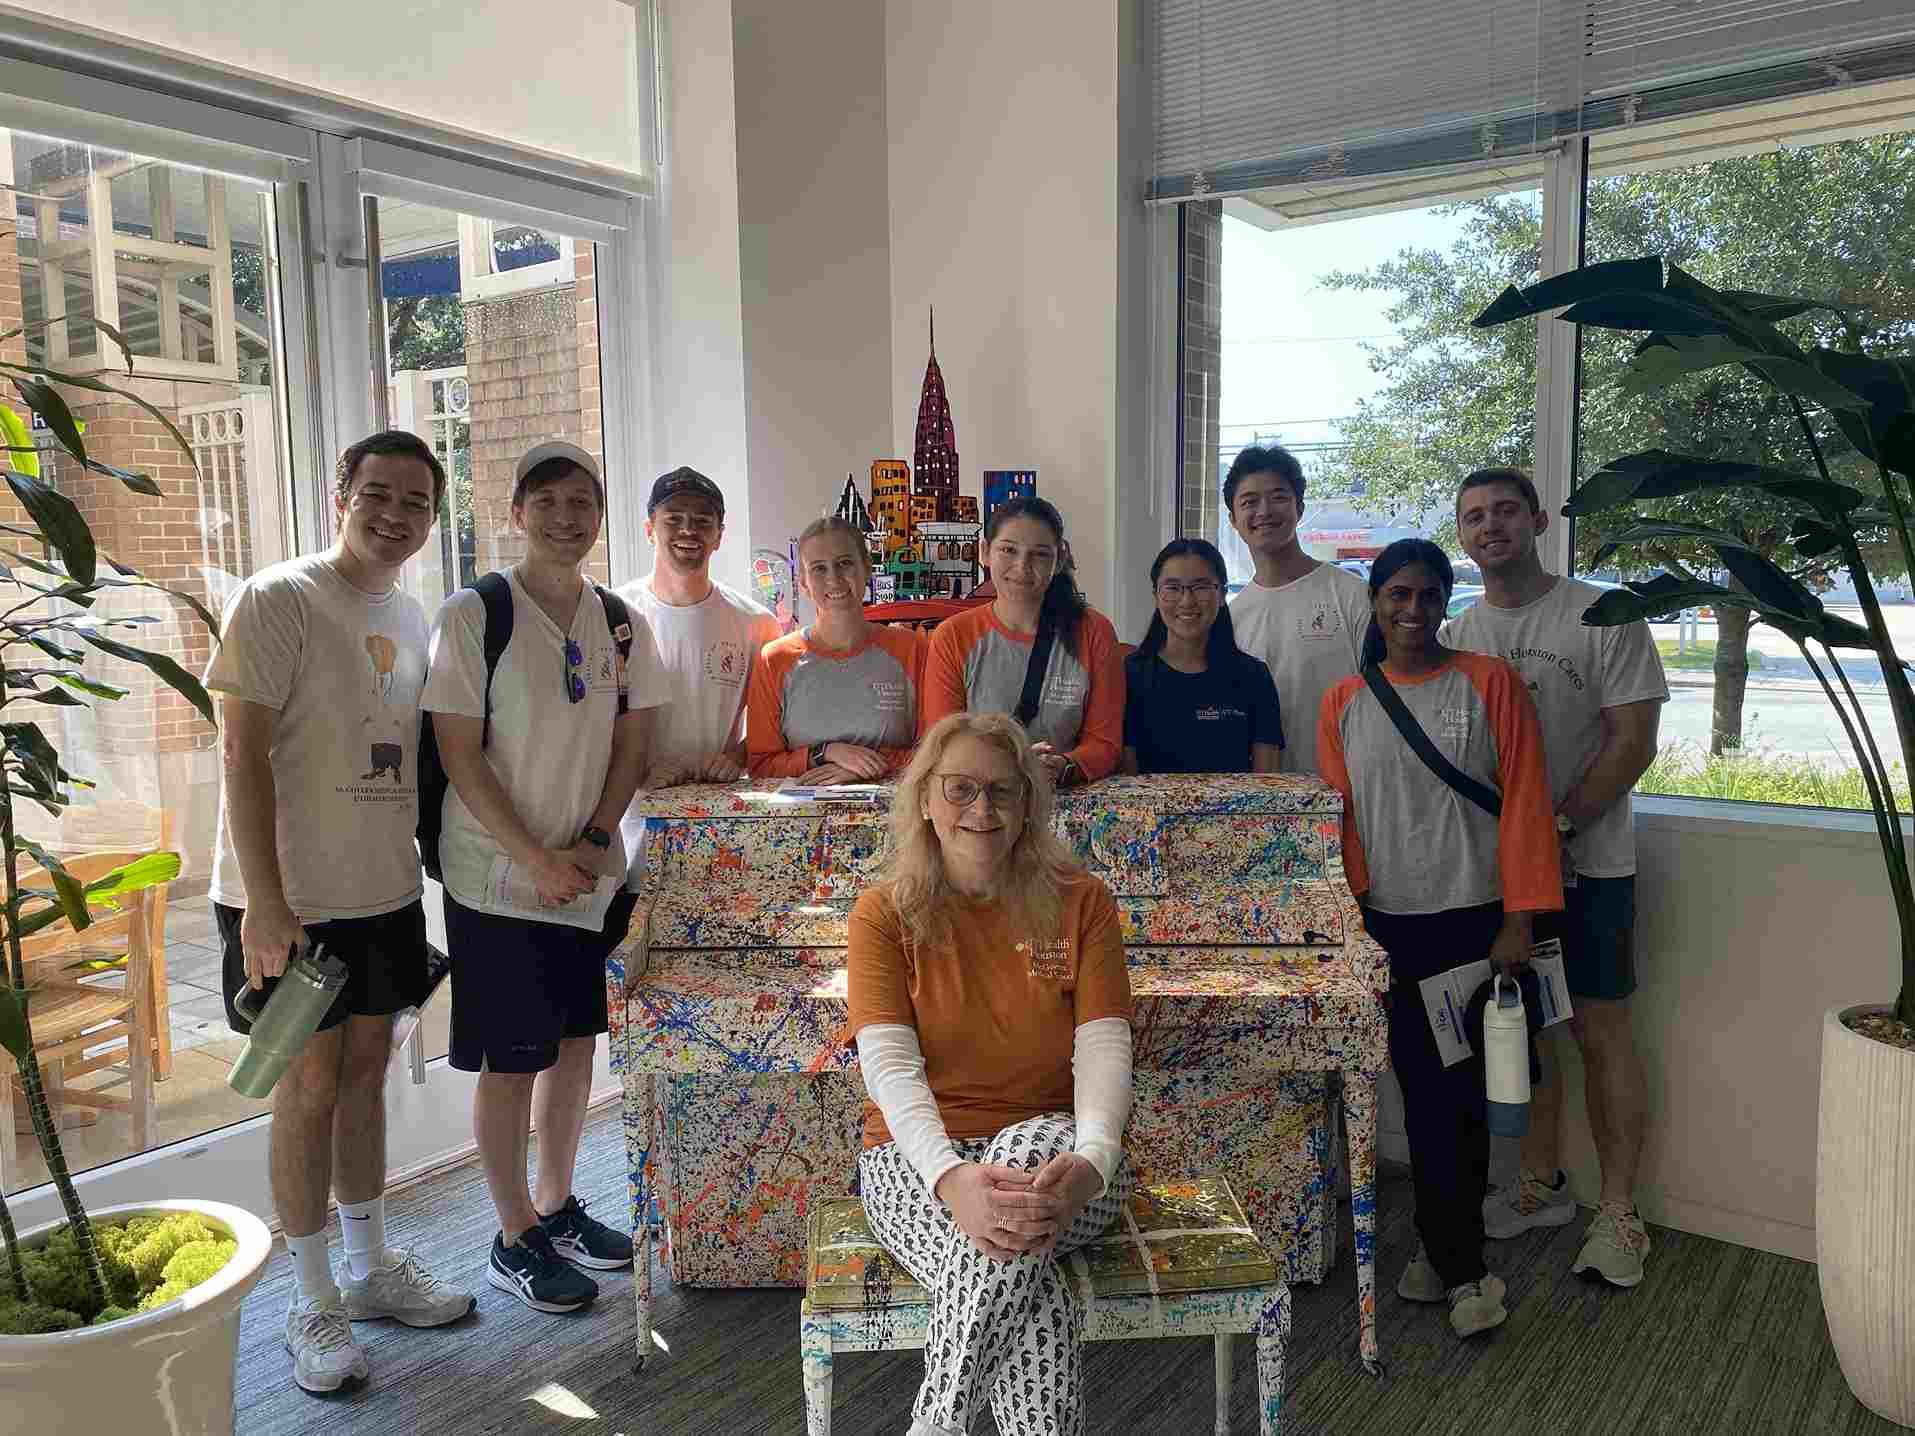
(541,693)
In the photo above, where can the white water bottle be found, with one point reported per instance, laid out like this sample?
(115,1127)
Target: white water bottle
(1506,1059)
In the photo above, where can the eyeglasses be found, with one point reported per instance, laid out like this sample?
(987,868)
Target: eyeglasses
(574,671)
(961,791)
(1174,591)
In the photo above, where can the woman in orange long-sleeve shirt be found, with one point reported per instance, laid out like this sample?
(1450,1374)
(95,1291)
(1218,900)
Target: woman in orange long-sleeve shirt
(978,661)
(1442,882)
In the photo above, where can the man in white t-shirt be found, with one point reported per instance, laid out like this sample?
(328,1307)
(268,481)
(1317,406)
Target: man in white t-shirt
(319,668)
(708,637)
(1304,618)
(542,760)
(1599,693)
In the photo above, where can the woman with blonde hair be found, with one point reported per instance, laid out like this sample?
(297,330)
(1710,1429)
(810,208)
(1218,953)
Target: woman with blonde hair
(837,701)
(991,1008)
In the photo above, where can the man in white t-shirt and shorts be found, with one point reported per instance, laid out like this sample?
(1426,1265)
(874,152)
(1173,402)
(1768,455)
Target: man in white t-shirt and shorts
(1599,693)
(319,669)
(540,768)
(708,636)
(1303,617)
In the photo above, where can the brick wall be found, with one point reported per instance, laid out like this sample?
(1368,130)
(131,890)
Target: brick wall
(11,312)
(1201,321)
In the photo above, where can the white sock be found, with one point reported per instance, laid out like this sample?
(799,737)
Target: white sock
(312,1267)
(363,1225)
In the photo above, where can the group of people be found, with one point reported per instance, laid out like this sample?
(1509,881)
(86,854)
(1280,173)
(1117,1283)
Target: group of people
(1485,763)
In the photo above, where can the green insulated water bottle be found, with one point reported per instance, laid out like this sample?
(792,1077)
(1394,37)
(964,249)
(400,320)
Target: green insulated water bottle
(301,999)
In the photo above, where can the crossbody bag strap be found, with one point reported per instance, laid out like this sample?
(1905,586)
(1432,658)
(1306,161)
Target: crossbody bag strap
(1040,662)
(1481,794)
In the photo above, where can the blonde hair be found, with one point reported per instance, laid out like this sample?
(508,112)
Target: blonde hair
(1040,863)
(834,524)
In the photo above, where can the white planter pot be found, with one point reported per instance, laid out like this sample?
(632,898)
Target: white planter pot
(1865,1214)
(168,1371)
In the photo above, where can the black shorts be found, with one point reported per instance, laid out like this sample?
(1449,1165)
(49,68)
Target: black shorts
(1598,930)
(385,959)
(520,987)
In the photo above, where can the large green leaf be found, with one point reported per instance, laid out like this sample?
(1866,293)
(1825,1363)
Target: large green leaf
(1609,277)
(38,756)
(80,683)
(1644,311)
(15,1035)
(1669,593)
(1887,383)
(146,872)
(59,521)
(1659,474)
(23,455)
(45,401)
(82,381)
(1647,530)
(1776,307)
(139,483)
(1766,580)
(71,894)
(174,676)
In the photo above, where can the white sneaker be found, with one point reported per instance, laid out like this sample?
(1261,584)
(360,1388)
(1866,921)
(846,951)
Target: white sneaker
(1477,1306)
(1614,1245)
(1527,1204)
(325,1357)
(1419,1281)
(406,1292)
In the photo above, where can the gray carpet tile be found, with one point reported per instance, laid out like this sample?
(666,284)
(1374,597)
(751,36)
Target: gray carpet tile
(1718,1339)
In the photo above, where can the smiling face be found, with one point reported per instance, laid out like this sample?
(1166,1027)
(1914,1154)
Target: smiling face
(977,837)
(832,569)
(1188,597)
(387,510)
(1409,609)
(1023,558)
(1498,527)
(1265,512)
(684,532)
(561,519)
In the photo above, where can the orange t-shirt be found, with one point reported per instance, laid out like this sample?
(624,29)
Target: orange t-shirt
(996,1012)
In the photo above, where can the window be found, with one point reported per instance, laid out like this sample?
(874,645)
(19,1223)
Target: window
(1832,219)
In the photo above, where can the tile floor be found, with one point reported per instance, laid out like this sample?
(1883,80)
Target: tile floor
(195,1099)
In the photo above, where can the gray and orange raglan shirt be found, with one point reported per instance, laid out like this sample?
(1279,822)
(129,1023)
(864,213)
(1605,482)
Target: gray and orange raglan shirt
(802,693)
(1411,843)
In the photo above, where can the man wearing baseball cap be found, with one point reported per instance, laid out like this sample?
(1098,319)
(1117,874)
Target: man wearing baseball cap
(707,637)
(543,753)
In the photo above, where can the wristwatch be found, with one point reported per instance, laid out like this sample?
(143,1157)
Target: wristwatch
(817,754)
(597,837)
(1565,829)
(1069,773)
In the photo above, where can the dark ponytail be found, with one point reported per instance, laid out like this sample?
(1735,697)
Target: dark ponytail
(1064,604)
(1400,555)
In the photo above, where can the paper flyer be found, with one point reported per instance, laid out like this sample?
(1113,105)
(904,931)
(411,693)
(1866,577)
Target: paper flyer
(510,893)
(1448,993)
(796,792)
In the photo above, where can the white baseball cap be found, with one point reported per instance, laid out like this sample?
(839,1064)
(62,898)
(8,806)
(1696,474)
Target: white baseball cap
(555,449)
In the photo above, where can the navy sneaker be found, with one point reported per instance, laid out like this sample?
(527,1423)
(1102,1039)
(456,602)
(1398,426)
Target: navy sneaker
(578,1238)
(533,1273)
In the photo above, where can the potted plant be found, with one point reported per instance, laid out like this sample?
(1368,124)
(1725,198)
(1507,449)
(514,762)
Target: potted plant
(1862,399)
(163,1279)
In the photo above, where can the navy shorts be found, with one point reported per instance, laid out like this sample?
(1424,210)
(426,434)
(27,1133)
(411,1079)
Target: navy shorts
(520,987)
(1598,930)
(385,957)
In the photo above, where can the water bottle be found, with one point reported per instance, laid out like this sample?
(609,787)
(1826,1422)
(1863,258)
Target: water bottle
(1506,1059)
(301,998)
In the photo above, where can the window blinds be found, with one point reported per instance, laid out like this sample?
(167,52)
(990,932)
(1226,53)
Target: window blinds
(1258,94)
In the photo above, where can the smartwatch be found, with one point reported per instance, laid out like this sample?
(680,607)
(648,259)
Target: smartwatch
(597,837)
(1565,829)
(817,754)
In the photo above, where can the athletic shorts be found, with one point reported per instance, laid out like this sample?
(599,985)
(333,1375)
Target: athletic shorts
(1598,929)
(385,959)
(521,987)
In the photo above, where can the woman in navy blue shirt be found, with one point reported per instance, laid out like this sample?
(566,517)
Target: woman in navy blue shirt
(1196,703)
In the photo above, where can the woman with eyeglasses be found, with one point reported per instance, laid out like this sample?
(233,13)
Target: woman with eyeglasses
(1194,702)
(1037,651)
(991,1007)
(836,701)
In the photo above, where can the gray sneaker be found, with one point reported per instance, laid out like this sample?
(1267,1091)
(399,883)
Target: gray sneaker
(1477,1306)
(325,1357)
(1614,1245)
(408,1293)
(1419,1281)
(1529,1203)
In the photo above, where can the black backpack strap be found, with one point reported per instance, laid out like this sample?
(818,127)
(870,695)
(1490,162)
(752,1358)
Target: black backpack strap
(618,618)
(1040,662)
(495,592)
(1480,794)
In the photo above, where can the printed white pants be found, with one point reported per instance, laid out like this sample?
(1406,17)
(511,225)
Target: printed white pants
(1009,1330)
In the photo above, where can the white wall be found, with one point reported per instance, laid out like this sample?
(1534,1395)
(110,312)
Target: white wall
(814,253)
(563,80)
(1009,202)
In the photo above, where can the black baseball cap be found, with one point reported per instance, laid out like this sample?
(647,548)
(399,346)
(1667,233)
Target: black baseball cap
(685,480)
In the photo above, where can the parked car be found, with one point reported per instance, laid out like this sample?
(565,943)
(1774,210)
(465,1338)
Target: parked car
(1461,597)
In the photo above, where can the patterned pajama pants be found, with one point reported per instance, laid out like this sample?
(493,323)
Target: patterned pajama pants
(1009,1330)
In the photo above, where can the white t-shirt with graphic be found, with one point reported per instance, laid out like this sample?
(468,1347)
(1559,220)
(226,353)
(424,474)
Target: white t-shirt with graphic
(1309,632)
(551,755)
(707,649)
(343,670)
(1573,671)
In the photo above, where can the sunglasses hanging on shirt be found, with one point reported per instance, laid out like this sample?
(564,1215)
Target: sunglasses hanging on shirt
(574,671)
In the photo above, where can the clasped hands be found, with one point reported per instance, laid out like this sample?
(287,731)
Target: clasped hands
(561,874)
(1008,1212)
